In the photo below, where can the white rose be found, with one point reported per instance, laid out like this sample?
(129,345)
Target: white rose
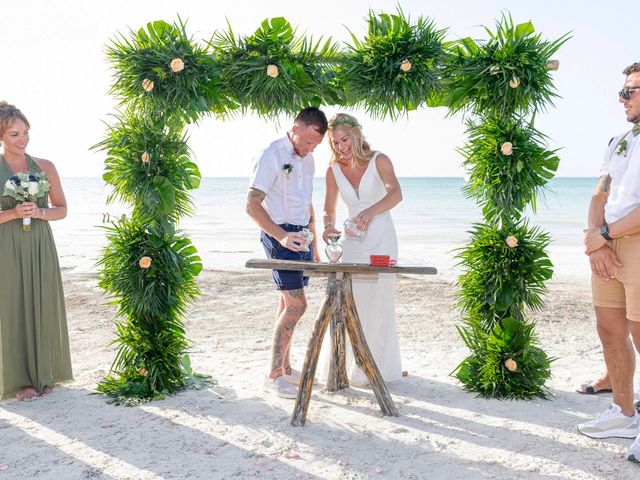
(177,65)
(506,148)
(553,65)
(514,82)
(148,85)
(512,242)
(511,364)
(9,186)
(405,66)
(272,71)
(33,188)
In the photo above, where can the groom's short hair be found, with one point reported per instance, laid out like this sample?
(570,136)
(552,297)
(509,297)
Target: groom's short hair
(313,116)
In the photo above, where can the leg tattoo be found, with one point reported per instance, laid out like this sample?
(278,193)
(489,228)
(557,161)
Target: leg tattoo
(294,306)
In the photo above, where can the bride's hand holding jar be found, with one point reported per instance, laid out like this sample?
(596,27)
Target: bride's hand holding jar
(329,229)
(364,218)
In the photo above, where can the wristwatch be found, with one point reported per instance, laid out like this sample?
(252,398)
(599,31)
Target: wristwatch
(604,231)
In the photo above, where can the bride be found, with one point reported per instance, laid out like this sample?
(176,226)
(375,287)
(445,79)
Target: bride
(367,184)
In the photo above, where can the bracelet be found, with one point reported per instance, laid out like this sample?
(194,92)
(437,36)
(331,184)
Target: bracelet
(43,213)
(328,225)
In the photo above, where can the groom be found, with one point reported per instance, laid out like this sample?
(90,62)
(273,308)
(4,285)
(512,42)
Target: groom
(279,201)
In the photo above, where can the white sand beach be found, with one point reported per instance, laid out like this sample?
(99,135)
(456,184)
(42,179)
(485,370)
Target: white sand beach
(235,430)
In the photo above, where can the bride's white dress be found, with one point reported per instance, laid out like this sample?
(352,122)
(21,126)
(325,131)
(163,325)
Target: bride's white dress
(374,296)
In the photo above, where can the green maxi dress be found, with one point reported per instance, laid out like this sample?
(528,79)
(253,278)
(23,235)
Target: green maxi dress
(34,343)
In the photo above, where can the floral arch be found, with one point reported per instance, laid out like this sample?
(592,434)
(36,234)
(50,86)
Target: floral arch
(165,81)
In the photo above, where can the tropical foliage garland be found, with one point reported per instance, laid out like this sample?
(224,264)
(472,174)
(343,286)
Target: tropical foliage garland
(502,83)
(165,81)
(397,67)
(275,71)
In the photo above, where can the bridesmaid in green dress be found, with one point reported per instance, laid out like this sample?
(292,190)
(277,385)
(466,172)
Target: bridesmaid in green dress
(34,344)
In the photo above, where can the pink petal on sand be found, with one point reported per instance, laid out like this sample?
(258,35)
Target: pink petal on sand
(379,471)
(292,454)
(3,466)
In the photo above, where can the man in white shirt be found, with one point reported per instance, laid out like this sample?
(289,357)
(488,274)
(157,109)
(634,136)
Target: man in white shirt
(279,201)
(612,243)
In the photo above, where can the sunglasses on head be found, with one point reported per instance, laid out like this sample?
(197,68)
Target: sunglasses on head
(626,92)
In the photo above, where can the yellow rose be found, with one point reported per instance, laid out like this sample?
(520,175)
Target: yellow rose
(553,65)
(143,372)
(494,69)
(512,241)
(405,66)
(506,148)
(510,364)
(145,157)
(177,65)
(147,85)
(145,262)
(272,71)
(514,82)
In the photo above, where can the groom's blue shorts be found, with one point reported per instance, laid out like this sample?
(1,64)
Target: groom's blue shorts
(287,279)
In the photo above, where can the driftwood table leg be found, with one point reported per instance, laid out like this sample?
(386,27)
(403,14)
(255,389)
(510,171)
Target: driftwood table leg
(305,388)
(338,366)
(361,350)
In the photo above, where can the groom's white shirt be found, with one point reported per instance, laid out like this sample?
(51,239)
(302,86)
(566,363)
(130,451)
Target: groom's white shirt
(269,177)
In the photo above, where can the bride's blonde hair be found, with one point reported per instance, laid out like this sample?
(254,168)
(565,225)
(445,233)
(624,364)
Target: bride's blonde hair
(360,149)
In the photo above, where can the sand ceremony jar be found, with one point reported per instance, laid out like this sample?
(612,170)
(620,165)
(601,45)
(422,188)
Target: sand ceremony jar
(333,250)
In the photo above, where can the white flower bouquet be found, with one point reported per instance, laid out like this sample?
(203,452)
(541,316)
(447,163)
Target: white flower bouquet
(27,187)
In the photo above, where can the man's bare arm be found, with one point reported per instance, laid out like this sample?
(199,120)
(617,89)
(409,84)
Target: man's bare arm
(598,201)
(256,211)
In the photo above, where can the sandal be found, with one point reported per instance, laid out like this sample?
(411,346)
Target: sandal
(587,389)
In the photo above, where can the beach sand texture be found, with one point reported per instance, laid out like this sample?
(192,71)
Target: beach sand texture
(234,430)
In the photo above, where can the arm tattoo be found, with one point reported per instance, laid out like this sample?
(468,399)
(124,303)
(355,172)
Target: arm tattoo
(604,184)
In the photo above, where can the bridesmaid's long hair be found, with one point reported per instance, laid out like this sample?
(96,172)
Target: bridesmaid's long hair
(360,148)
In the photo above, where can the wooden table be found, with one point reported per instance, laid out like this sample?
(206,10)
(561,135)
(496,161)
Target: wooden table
(338,309)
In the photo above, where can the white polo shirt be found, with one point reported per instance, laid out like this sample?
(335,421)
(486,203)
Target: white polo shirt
(624,170)
(269,176)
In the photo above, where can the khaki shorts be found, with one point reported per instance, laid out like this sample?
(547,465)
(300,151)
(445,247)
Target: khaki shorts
(624,290)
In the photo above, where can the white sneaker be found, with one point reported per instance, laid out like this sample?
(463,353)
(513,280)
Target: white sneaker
(293,378)
(280,387)
(633,455)
(612,423)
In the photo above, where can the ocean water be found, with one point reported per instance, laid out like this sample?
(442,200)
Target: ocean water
(432,221)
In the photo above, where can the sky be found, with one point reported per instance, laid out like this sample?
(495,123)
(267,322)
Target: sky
(54,68)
